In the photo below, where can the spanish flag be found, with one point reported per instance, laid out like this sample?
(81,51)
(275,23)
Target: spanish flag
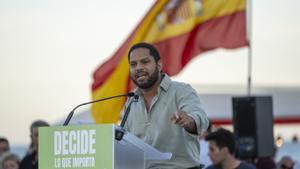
(181,30)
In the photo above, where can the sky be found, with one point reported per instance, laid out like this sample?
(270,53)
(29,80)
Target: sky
(50,48)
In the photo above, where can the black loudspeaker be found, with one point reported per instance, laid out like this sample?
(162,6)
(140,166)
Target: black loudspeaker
(253,126)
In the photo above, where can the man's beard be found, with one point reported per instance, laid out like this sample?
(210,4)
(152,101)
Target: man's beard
(150,81)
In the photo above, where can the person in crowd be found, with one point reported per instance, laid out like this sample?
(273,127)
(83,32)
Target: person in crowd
(286,162)
(265,163)
(204,158)
(279,141)
(30,161)
(4,145)
(222,151)
(168,114)
(10,161)
(295,138)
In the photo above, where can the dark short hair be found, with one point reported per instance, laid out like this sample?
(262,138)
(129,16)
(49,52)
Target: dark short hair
(153,51)
(3,139)
(222,138)
(38,123)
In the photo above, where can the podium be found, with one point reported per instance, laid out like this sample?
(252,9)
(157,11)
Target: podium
(93,147)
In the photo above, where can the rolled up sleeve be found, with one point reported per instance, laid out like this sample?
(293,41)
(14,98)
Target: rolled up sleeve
(189,101)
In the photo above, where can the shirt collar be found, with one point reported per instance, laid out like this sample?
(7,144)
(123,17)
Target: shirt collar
(165,82)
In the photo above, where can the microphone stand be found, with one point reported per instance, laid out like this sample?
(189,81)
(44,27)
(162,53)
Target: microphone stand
(130,94)
(136,98)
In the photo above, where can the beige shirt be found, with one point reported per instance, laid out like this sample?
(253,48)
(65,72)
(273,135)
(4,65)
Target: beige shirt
(156,129)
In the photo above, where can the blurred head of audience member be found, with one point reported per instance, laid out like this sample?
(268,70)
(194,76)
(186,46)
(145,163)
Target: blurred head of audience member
(286,162)
(34,134)
(295,139)
(265,163)
(10,161)
(4,145)
(221,145)
(30,161)
(222,151)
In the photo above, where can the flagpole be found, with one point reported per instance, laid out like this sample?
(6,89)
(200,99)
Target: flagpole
(249,35)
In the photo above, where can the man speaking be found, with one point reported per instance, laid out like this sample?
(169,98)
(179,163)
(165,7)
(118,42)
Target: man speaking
(168,114)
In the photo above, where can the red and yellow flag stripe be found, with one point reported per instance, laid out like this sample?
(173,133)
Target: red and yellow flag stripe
(180,32)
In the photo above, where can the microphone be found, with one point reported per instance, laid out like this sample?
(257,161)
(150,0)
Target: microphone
(130,94)
(136,98)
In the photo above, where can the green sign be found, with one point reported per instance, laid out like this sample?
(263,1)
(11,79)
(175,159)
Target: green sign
(80,147)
